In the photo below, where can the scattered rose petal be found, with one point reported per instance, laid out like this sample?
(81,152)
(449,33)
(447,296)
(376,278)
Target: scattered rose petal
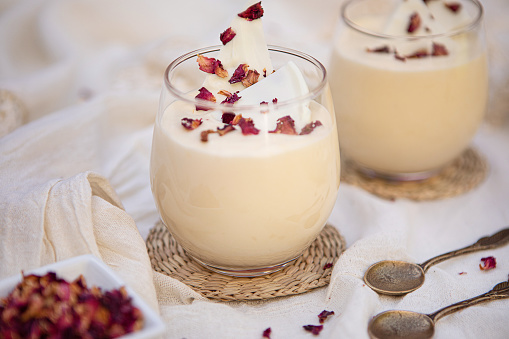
(227,118)
(247,126)
(232,98)
(453,6)
(251,78)
(236,119)
(315,329)
(204,94)
(381,49)
(324,315)
(421,53)
(462,273)
(264,72)
(253,12)
(225,129)
(488,263)
(414,22)
(285,125)
(266,333)
(239,74)
(310,127)
(227,35)
(191,124)
(328,265)
(204,135)
(439,49)
(212,66)
(274,101)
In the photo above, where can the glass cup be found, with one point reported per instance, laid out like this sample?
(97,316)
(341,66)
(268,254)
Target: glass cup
(410,91)
(243,205)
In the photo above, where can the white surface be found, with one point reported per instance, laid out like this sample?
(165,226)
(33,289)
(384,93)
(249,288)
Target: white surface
(90,73)
(96,273)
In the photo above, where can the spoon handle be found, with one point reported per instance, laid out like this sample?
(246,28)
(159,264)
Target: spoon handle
(500,291)
(498,239)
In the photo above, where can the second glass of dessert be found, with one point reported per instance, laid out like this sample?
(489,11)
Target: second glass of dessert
(409,82)
(245,155)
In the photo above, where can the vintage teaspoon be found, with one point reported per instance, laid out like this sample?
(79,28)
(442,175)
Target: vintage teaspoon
(394,277)
(407,324)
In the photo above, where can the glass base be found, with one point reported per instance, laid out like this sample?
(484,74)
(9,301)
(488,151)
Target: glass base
(253,272)
(415,176)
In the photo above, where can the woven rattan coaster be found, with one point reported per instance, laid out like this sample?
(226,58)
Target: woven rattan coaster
(462,175)
(309,271)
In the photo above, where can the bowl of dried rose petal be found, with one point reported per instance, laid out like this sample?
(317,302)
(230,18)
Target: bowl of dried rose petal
(75,298)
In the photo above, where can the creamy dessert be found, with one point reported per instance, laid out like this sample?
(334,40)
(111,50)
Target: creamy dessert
(409,84)
(245,169)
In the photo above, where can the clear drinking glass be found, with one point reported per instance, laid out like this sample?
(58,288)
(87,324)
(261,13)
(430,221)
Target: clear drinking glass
(243,205)
(408,99)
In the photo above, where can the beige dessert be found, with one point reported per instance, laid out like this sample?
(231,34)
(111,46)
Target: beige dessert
(253,190)
(409,105)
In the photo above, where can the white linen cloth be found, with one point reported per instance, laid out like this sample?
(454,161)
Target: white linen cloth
(74,179)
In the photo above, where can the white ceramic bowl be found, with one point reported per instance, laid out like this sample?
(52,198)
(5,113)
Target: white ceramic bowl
(96,273)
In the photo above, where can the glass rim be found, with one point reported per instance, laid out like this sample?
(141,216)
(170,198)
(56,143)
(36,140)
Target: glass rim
(476,21)
(183,96)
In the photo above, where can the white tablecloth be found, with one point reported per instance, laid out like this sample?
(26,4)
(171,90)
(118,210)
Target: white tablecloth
(74,174)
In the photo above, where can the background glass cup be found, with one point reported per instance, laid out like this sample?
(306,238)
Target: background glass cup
(243,205)
(403,113)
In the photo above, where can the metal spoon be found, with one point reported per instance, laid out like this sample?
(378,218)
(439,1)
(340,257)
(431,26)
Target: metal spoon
(398,277)
(408,324)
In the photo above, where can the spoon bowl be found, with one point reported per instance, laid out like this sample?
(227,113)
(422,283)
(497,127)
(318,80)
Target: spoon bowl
(401,324)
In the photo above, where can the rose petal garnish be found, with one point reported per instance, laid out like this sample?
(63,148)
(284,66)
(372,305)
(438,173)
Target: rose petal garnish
(191,124)
(247,126)
(239,74)
(488,263)
(399,57)
(328,265)
(421,53)
(324,315)
(315,329)
(253,12)
(266,333)
(225,129)
(227,118)
(439,50)
(310,127)
(227,35)
(231,98)
(414,22)
(236,119)
(251,78)
(285,125)
(204,94)
(204,135)
(274,101)
(453,6)
(381,49)
(211,65)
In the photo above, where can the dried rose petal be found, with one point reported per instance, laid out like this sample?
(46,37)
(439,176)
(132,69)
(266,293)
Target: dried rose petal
(421,53)
(227,35)
(227,118)
(239,74)
(453,6)
(414,22)
(310,127)
(204,94)
(285,125)
(439,50)
(204,135)
(328,265)
(264,72)
(253,12)
(225,129)
(488,263)
(191,124)
(274,101)
(212,66)
(399,57)
(381,49)
(315,329)
(266,333)
(251,78)
(462,273)
(236,119)
(247,126)
(232,98)
(324,315)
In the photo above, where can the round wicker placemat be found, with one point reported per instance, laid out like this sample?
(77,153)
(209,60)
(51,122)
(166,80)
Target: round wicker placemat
(309,271)
(462,175)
